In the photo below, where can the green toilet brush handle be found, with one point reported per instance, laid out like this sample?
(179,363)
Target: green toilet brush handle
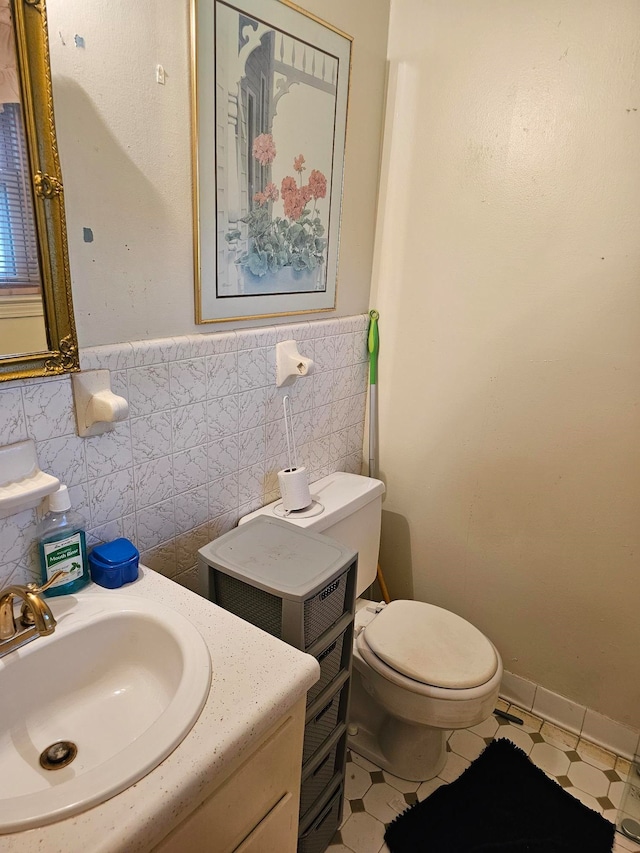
(373,345)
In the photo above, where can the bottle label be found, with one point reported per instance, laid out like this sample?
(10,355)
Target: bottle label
(64,555)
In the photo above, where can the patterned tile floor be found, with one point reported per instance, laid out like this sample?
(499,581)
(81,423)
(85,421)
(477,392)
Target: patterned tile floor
(373,798)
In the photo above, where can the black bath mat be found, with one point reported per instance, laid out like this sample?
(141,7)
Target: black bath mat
(502,803)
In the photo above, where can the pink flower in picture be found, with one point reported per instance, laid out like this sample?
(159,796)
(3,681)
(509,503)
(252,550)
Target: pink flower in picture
(272,241)
(293,204)
(271,192)
(288,185)
(293,198)
(264,149)
(317,184)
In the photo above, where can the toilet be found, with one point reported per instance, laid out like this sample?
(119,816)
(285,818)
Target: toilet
(419,671)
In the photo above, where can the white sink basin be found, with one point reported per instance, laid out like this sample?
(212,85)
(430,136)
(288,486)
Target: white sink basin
(123,678)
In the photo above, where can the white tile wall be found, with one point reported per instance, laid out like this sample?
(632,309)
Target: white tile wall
(203,441)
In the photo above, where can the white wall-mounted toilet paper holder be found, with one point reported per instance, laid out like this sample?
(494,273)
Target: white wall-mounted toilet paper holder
(97,407)
(290,364)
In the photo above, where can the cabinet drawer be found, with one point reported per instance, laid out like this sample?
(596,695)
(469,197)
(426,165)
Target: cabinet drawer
(277,831)
(325,608)
(237,806)
(321,771)
(320,726)
(334,657)
(317,838)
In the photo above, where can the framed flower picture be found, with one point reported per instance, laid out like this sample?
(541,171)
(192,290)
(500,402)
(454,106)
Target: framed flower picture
(270,92)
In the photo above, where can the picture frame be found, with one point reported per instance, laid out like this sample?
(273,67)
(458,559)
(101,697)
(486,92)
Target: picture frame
(270,90)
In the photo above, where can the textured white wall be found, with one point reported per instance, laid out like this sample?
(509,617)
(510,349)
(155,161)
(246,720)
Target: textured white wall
(125,149)
(507,276)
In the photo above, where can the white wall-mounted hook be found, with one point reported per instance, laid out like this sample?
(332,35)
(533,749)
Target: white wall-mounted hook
(97,407)
(290,364)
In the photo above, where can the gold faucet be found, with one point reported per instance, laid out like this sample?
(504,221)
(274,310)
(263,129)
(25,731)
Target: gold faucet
(36,618)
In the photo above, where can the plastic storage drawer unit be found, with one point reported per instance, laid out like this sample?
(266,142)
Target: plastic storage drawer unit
(299,586)
(292,583)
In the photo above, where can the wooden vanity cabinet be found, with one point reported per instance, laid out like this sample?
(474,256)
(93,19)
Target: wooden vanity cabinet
(254,809)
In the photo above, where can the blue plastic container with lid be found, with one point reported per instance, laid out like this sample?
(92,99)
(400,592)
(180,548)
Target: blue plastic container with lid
(113,564)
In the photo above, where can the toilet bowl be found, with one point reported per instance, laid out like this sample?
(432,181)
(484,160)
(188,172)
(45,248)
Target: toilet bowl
(419,671)
(437,673)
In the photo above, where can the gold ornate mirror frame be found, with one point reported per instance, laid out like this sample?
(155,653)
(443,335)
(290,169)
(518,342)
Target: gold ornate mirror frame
(32,46)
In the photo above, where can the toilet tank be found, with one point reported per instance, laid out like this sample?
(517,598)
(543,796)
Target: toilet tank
(348,508)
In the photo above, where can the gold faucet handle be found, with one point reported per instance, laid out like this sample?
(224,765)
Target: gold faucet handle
(27,615)
(36,590)
(7,620)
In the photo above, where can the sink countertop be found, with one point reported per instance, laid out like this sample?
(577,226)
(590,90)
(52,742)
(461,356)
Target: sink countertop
(255,680)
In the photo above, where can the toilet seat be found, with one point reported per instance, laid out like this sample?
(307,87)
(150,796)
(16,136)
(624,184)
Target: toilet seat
(415,644)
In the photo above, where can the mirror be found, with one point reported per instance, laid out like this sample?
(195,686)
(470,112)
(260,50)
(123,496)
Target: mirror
(37,331)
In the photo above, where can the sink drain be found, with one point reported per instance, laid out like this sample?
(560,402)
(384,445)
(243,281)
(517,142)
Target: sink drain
(58,755)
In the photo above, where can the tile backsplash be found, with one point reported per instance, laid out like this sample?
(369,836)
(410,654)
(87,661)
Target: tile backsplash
(203,441)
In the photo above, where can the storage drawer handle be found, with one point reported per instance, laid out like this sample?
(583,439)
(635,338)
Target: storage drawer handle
(318,825)
(321,765)
(327,651)
(326,592)
(324,711)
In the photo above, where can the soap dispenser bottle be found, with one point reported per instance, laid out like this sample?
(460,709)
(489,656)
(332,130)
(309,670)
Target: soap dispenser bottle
(62,545)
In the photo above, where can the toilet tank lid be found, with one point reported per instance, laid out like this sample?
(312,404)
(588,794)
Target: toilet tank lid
(431,645)
(340,495)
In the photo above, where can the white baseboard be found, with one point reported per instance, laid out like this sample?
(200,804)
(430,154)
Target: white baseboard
(582,721)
